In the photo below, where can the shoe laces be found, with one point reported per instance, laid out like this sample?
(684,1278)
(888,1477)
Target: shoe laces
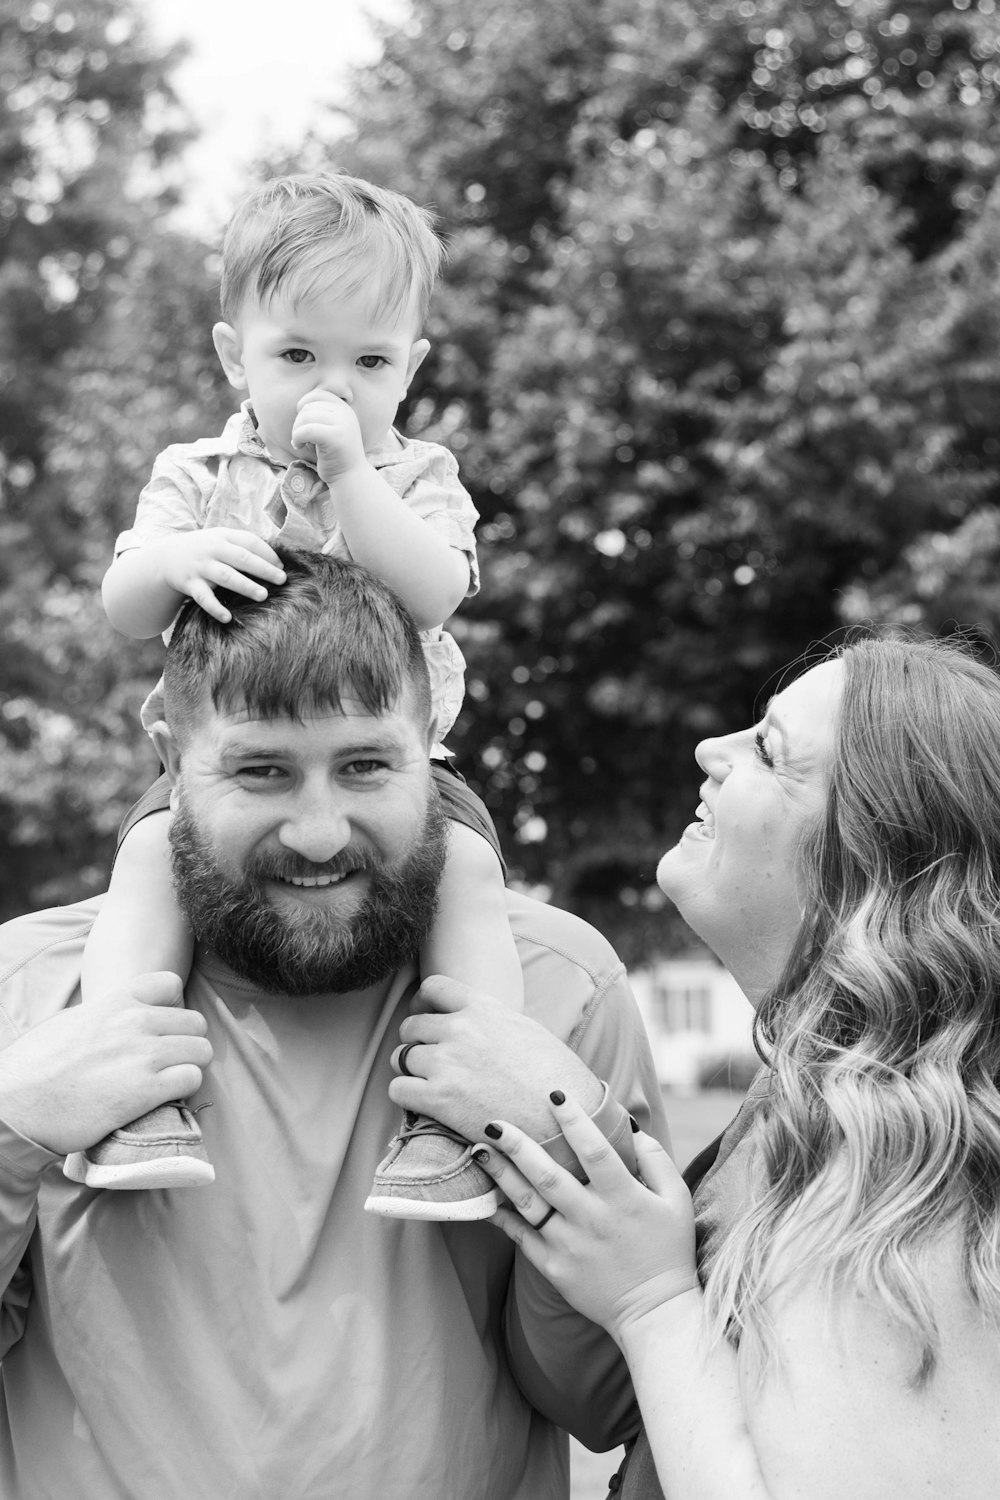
(424,1125)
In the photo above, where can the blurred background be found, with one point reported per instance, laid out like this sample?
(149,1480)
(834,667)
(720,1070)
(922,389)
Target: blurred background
(718,352)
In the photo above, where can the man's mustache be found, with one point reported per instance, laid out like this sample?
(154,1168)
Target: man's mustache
(291,866)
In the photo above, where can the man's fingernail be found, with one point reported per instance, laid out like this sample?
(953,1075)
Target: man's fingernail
(493,1131)
(481,1156)
(557,1096)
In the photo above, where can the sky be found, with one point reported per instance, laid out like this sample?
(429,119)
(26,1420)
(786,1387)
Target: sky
(254,77)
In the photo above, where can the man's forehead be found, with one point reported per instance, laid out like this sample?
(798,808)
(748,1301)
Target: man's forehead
(352,721)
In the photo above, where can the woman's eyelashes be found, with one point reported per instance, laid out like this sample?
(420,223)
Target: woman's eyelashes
(763,753)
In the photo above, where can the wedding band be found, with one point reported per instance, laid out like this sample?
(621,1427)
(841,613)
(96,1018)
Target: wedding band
(401,1059)
(544,1220)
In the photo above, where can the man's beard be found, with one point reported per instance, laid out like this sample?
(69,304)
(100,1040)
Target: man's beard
(312,951)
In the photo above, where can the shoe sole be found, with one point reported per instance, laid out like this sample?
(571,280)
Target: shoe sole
(464,1211)
(167,1171)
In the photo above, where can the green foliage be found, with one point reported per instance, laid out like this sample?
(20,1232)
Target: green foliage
(100,322)
(717,354)
(695,360)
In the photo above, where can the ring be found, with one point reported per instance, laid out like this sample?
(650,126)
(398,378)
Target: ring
(401,1059)
(543,1220)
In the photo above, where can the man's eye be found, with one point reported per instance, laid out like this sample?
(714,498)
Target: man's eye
(260,773)
(364,767)
(372,361)
(296,356)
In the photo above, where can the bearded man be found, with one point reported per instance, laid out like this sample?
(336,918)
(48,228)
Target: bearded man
(263,1338)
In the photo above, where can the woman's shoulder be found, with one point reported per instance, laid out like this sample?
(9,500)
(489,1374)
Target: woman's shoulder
(848,1403)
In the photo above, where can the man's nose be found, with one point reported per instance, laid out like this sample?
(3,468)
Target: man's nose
(318,830)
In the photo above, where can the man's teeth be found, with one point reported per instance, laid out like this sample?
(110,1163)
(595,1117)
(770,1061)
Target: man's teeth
(313,879)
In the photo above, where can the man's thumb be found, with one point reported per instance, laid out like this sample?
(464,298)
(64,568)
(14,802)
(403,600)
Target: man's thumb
(161,988)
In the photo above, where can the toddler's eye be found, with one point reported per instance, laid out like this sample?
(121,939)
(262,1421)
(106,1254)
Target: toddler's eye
(296,356)
(372,361)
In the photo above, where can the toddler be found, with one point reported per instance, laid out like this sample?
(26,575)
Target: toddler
(325,285)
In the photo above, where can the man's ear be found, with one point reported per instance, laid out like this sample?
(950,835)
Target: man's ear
(229,348)
(169,752)
(418,353)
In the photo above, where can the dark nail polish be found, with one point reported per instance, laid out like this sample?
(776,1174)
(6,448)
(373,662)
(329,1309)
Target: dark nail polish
(493,1131)
(482,1157)
(634,1124)
(557,1096)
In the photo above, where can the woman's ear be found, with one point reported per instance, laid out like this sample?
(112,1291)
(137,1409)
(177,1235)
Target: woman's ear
(229,348)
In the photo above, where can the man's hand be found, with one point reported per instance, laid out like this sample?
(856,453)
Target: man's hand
(196,563)
(326,425)
(479,1060)
(72,1079)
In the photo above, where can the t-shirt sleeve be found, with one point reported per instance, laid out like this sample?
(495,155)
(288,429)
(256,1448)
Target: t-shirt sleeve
(175,499)
(39,965)
(566,1366)
(431,487)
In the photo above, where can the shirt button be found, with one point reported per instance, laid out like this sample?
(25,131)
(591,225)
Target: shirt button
(298,483)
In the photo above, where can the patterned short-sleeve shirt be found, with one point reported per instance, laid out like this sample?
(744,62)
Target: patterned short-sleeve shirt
(231,480)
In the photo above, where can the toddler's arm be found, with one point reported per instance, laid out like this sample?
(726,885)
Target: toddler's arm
(140,928)
(145,586)
(384,534)
(471,940)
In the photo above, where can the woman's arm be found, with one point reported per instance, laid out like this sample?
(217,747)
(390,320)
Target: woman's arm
(835,1413)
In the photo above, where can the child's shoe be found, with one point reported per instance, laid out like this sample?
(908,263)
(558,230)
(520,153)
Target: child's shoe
(429,1174)
(163,1148)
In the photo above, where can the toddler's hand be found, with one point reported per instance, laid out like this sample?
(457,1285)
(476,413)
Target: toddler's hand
(326,425)
(196,563)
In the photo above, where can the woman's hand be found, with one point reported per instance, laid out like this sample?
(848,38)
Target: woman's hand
(614,1247)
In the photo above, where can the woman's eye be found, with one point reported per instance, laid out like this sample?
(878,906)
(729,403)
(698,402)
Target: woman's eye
(296,356)
(762,751)
(372,361)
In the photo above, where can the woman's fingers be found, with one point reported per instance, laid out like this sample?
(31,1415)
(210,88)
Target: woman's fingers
(523,1197)
(536,1169)
(654,1166)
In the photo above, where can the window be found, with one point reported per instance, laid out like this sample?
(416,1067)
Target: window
(683,1007)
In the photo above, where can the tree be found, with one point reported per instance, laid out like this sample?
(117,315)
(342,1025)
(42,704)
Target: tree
(78,403)
(691,359)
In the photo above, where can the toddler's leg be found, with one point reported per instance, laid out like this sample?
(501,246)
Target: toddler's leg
(140,930)
(429,1172)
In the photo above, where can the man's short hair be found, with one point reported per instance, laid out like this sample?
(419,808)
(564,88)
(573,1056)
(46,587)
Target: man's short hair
(331,631)
(303,233)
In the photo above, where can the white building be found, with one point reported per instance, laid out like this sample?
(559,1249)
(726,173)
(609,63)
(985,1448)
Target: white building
(696,1015)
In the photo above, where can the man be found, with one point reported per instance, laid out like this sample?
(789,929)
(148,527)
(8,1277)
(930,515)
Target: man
(263,1338)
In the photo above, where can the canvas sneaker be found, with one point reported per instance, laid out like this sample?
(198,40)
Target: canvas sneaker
(163,1148)
(429,1174)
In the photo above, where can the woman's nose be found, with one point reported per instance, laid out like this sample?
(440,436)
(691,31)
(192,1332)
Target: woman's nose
(714,756)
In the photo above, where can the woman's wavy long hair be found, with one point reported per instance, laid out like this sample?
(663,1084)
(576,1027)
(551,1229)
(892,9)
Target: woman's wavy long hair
(881,1127)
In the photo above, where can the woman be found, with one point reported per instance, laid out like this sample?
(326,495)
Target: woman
(837,1333)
